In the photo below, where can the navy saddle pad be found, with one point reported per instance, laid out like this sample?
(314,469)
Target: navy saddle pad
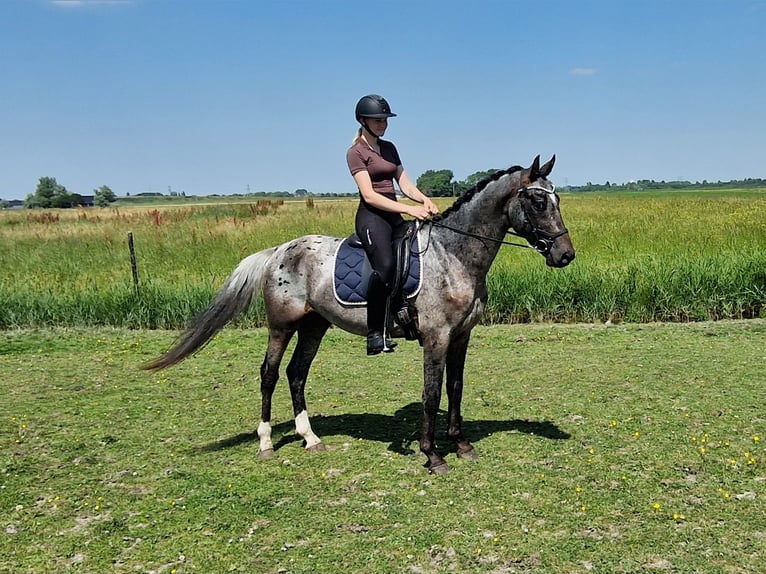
(352,272)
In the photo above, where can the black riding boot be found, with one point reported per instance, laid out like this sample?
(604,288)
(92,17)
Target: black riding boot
(377,300)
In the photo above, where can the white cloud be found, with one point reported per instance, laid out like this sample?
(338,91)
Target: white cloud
(582,71)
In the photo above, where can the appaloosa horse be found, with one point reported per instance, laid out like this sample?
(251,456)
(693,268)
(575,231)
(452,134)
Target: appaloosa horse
(458,248)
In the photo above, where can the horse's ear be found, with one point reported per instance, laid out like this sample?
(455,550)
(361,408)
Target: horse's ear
(534,170)
(532,173)
(546,169)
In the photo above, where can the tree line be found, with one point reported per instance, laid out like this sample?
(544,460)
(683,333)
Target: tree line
(51,194)
(440,183)
(650,185)
(435,183)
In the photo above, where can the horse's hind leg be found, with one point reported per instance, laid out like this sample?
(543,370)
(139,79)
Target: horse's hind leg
(455,367)
(278,341)
(310,333)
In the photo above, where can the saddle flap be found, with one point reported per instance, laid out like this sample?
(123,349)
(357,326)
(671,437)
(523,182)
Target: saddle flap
(352,270)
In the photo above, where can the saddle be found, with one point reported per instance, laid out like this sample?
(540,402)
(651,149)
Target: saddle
(352,272)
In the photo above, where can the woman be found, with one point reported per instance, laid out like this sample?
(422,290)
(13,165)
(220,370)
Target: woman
(375,164)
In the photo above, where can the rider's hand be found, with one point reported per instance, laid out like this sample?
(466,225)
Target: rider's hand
(419,212)
(430,206)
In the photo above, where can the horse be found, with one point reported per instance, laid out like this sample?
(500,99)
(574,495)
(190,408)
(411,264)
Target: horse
(458,247)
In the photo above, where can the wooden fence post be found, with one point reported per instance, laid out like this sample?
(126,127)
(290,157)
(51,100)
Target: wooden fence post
(133,264)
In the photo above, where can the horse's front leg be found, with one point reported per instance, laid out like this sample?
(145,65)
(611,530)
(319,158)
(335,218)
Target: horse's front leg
(455,367)
(433,373)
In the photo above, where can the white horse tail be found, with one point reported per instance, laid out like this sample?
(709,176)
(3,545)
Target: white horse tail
(231,300)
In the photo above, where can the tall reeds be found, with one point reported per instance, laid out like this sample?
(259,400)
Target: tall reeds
(659,257)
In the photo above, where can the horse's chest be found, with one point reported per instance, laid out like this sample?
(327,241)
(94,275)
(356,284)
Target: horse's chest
(467,305)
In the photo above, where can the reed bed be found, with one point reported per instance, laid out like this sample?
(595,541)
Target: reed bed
(641,257)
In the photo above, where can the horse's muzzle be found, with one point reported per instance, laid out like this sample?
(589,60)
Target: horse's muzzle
(561,253)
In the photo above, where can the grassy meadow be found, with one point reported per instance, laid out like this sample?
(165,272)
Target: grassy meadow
(641,257)
(633,448)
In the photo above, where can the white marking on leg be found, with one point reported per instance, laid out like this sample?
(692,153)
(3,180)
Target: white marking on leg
(303,428)
(264,433)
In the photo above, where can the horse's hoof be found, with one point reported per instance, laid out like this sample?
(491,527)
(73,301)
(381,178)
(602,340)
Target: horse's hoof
(442,468)
(266,454)
(318,447)
(469,454)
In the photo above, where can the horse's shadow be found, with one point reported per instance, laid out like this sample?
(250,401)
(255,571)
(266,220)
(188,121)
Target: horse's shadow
(399,430)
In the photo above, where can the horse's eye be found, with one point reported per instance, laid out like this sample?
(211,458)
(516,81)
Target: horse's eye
(539,203)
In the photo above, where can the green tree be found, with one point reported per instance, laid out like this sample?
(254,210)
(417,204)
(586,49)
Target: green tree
(43,195)
(476,177)
(65,199)
(103,196)
(301,192)
(436,183)
(51,194)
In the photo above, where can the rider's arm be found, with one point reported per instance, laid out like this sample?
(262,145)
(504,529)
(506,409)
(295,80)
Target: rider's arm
(371,197)
(411,190)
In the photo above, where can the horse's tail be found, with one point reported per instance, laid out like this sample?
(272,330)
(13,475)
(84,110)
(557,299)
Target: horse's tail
(232,299)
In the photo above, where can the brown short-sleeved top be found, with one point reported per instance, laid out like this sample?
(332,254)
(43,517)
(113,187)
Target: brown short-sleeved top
(381,167)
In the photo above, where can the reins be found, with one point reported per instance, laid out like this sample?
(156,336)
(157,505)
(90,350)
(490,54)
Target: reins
(481,237)
(543,239)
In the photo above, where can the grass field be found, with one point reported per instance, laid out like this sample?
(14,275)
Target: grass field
(667,256)
(622,449)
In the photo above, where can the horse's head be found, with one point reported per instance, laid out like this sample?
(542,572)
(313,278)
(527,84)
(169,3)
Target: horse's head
(535,215)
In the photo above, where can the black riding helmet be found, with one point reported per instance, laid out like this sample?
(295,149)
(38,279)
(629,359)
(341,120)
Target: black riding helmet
(373,106)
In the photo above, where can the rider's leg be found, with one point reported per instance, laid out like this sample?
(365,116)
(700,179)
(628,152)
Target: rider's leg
(377,301)
(375,233)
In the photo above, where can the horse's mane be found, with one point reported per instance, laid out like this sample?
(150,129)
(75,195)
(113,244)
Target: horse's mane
(468,195)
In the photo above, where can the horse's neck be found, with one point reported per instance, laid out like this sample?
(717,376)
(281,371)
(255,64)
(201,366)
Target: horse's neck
(483,216)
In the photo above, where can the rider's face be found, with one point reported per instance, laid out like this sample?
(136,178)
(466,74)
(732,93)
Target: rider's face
(377,125)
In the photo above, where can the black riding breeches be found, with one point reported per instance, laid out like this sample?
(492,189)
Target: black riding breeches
(375,229)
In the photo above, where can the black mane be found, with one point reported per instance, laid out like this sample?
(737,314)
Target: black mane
(468,195)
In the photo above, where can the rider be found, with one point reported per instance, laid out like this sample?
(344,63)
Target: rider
(375,164)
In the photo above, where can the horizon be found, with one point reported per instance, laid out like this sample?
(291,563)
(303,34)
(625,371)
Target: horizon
(173,193)
(586,188)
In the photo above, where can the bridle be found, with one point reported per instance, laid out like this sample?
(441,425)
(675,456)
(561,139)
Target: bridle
(542,240)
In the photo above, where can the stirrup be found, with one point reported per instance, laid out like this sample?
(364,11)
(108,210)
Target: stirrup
(407,318)
(377,343)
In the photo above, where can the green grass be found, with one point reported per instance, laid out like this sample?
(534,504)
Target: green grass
(640,257)
(622,449)
(644,257)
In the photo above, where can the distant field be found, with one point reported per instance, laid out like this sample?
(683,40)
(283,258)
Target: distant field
(643,256)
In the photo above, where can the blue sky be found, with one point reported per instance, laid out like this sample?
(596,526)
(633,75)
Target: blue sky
(222,96)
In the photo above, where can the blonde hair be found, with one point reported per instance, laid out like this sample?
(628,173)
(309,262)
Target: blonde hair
(357,136)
